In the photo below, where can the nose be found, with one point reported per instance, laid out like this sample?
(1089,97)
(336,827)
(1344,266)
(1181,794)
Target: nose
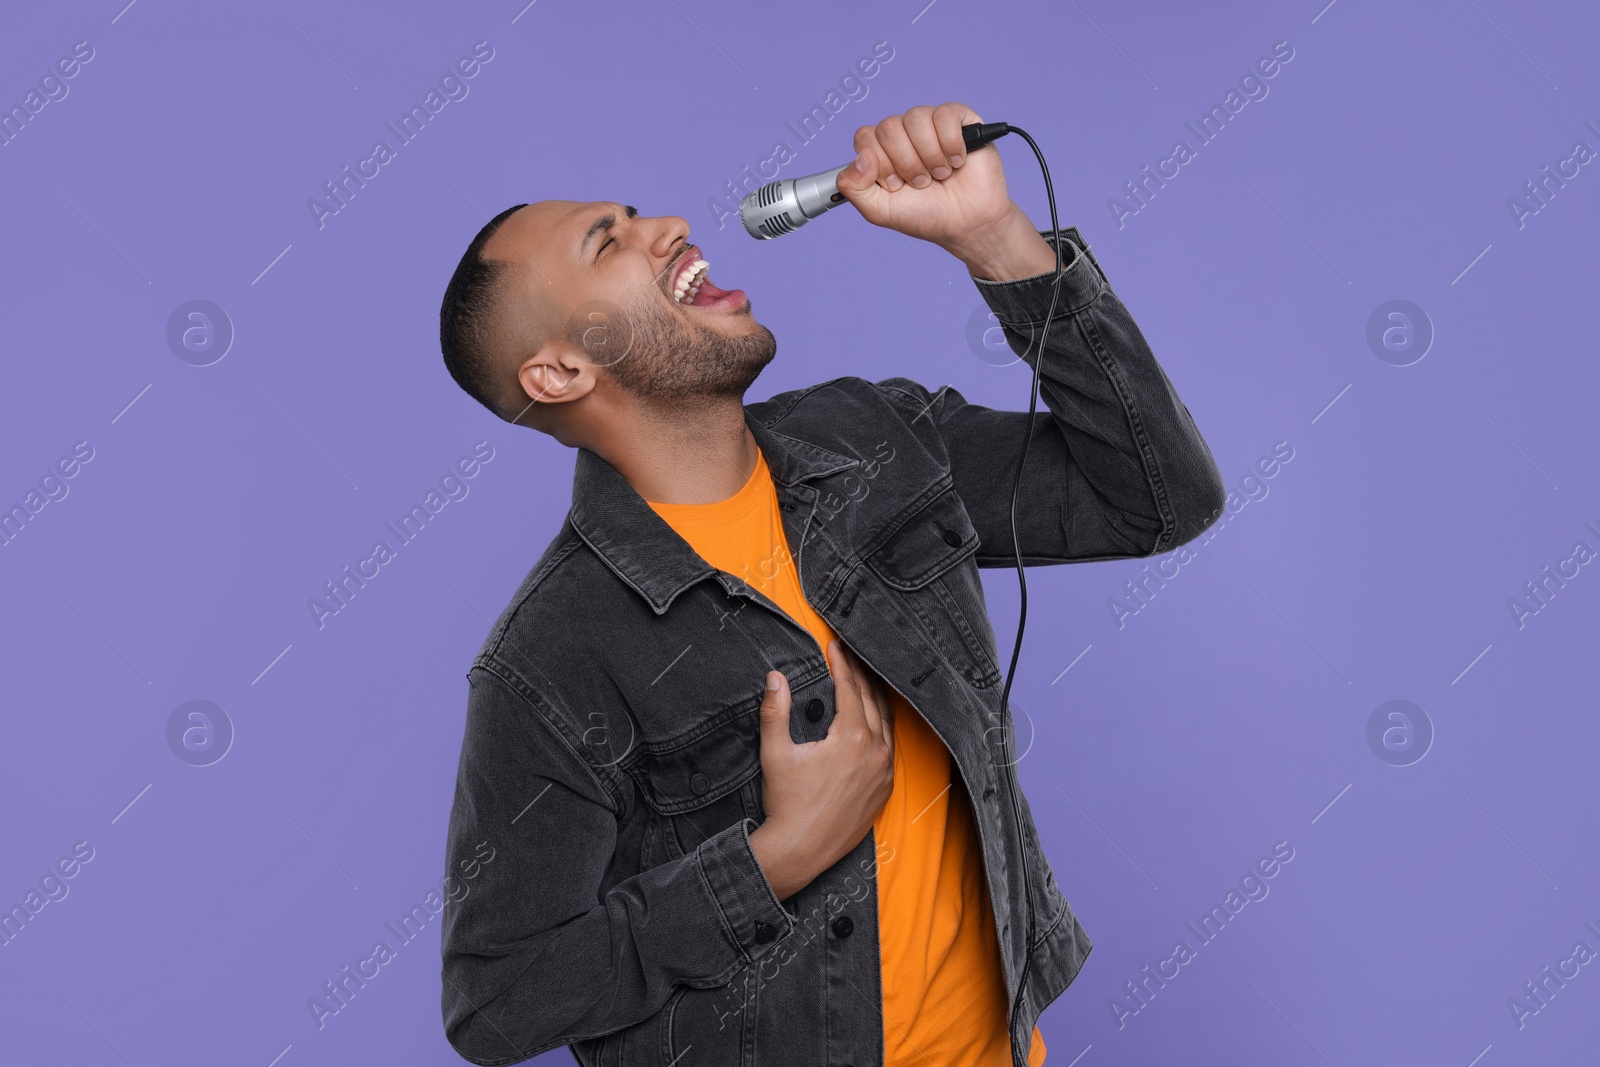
(670,233)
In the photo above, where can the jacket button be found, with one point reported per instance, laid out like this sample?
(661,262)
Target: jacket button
(842,926)
(699,783)
(814,708)
(952,538)
(765,932)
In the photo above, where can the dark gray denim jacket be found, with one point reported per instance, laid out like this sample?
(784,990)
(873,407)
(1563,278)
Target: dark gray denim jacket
(602,889)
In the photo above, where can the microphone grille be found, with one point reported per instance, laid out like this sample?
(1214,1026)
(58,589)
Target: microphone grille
(769,193)
(777,225)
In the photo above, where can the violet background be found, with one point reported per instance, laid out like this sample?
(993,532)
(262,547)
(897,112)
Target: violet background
(1229,714)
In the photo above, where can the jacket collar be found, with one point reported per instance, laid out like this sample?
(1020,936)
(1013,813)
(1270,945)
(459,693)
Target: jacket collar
(647,553)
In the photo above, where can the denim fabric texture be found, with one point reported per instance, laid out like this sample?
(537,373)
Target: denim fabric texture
(610,754)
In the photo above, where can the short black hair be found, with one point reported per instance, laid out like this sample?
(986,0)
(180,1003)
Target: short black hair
(466,319)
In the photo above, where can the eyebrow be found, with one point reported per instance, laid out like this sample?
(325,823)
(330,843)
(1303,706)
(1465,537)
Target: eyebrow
(605,222)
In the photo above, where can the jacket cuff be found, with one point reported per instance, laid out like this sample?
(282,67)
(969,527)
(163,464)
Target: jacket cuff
(1024,301)
(752,918)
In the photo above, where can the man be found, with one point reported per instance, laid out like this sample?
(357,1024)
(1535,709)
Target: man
(736,787)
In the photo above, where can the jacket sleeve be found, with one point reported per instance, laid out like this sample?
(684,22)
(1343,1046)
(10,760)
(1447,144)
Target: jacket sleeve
(1116,467)
(539,949)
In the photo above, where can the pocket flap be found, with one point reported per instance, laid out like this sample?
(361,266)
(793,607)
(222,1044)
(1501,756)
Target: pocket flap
(699,771)
(930,541)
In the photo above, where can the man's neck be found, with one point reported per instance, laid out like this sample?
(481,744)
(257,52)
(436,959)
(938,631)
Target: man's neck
(686,457)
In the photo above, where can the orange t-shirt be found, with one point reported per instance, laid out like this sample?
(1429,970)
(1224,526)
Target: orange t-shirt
(944,998)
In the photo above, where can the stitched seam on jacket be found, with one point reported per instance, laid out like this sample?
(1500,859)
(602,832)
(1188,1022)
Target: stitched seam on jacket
(1153,476)
(934,400)
(550,565)
(522,689)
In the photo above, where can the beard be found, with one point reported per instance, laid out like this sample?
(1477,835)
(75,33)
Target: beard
(669,357)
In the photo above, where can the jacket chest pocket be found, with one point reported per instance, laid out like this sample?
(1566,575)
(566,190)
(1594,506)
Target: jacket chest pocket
(929,565)
(699,786)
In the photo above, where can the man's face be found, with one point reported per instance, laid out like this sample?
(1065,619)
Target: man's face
(625,287)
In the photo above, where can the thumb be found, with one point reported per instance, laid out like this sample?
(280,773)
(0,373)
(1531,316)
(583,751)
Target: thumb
(775,710)
(859,184)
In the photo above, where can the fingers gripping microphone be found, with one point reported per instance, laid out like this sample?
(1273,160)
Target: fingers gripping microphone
(785,205)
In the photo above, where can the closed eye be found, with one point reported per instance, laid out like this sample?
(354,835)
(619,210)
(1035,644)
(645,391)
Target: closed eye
(603,224)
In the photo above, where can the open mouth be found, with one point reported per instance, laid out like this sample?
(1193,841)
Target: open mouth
(692,288)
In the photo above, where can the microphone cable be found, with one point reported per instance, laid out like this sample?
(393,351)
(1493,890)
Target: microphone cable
(984,133)
(781,207)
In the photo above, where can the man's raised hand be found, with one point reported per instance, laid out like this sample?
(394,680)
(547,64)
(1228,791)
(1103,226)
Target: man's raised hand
(913,174)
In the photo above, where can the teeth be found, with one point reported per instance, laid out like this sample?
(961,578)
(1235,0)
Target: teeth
(689,281)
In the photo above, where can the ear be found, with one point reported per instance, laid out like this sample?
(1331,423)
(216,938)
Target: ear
(557,373)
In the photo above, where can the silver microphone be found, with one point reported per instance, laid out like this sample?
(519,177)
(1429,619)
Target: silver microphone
(785,205)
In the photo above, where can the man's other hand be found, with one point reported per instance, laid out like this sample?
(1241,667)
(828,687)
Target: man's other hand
(822,797)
